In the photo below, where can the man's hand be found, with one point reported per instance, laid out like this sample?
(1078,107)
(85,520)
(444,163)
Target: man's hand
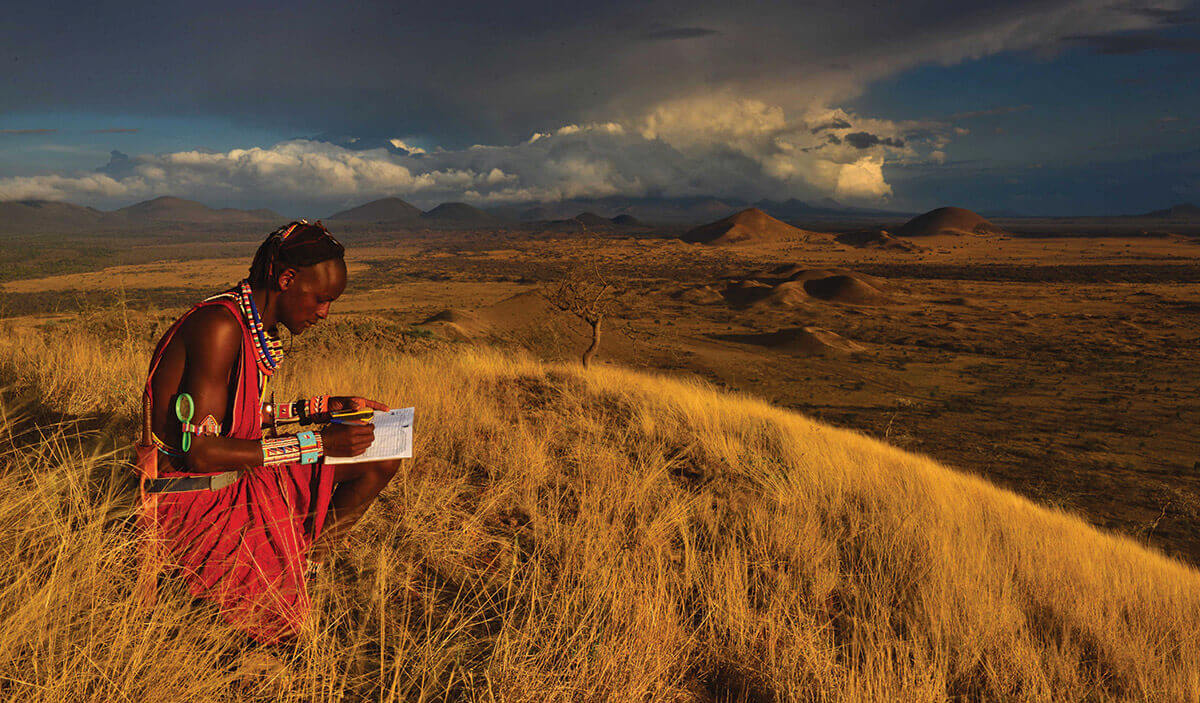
(343,403)
(347,440)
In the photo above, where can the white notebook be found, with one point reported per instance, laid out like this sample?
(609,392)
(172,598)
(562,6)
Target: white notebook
(393,438)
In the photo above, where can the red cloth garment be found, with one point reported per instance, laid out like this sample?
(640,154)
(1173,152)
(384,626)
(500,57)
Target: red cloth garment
(243,546)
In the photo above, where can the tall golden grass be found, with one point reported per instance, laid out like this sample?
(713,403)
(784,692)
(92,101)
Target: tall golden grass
(584,536)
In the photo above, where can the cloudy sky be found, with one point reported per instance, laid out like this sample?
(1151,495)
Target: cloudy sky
(1052,107)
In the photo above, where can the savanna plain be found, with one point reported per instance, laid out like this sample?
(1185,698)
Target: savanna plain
(804,470)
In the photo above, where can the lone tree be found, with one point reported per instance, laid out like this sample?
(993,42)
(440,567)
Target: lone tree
(585,293)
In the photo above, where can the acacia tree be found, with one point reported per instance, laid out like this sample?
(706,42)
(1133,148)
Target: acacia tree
(585,293)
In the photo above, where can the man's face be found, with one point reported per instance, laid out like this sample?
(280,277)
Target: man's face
(308,292)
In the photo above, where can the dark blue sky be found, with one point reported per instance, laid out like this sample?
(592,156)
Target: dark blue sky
(1067,107)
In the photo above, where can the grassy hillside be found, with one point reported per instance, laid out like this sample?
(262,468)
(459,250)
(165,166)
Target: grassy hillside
(565,535)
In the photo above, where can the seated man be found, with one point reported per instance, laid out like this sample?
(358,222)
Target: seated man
(238,513)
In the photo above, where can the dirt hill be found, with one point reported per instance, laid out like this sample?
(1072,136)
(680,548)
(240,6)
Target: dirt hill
(521,316)
(516,311)
(876,239)
(814,341)
(699,295)
(790,286)
(746,292)
(947,220)
(750,226)
(845,289)
(788,294)
(382,210)
(798,272)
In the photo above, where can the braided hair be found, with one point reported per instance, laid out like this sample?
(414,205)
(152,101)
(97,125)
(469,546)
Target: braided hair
(294,245)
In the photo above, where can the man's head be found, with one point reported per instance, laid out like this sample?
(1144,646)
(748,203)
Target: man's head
(302,268)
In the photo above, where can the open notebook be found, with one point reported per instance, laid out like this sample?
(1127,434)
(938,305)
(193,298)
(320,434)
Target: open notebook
(393,438)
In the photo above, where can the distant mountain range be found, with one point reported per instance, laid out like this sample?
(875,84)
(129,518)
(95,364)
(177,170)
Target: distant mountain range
(169,209)
(690,210)
(395,211)
(398,212)
(18,216)
(686,210)
(616,212)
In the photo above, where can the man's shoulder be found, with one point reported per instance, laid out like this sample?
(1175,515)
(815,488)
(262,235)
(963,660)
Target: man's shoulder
(214,324)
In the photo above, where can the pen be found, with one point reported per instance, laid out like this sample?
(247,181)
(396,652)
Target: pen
(351,416)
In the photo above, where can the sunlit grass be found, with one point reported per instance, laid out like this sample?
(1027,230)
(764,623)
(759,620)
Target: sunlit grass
(599,535)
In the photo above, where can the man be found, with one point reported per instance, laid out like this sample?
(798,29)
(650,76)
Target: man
(242,515)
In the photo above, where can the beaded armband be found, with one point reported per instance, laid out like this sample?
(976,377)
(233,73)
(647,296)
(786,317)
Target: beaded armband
(305,448)
(209,426)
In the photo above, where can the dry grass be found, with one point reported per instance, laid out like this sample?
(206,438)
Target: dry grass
(600,535)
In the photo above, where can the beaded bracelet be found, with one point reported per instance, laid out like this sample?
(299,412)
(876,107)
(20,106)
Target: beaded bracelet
(306,411)
(314,408)
(286,412)
(305,448)
(310,448)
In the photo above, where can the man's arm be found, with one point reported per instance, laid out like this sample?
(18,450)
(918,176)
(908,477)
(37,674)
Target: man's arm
(213,339)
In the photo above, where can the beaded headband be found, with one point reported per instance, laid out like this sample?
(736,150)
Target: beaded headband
(319,246)
(291,228)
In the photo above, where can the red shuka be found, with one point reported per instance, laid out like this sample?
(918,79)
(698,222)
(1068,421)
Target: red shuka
(243,546)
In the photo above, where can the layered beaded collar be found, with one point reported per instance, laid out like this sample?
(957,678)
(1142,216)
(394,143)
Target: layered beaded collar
(268,350)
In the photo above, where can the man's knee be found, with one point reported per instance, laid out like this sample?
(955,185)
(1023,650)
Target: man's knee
(386,469)
(372,471)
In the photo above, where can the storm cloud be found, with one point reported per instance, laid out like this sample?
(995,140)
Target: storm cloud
(1137,42)
(866,140)
(661,33)
(462,73)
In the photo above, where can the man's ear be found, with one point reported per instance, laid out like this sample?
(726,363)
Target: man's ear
(286,278)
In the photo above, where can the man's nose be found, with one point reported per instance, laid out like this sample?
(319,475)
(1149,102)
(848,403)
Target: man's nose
(323,311)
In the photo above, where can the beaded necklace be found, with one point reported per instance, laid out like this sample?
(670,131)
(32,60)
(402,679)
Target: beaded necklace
(268,349)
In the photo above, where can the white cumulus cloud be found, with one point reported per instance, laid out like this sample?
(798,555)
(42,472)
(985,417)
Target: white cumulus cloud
(715,144)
